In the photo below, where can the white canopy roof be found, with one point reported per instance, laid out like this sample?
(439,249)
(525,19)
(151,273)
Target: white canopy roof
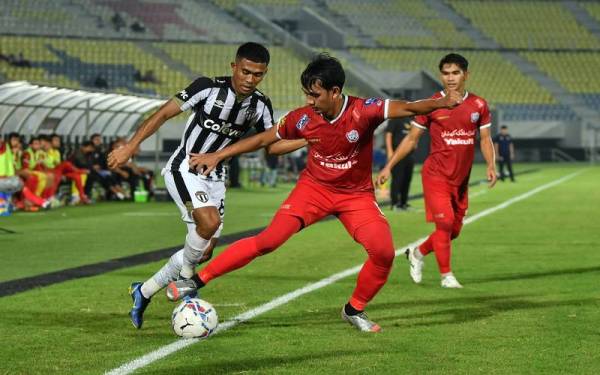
(30,109)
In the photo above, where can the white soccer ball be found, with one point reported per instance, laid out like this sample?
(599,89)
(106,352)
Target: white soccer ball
(194,318)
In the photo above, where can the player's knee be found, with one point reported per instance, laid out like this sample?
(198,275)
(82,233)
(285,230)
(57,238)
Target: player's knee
(207,221)
(444,225)
(383,256)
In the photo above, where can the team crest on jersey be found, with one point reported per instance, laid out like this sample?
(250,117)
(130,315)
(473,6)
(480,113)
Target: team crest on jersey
(352,136)
(302,122)
(474,117)
(250,112)
(202,196)
(371,101)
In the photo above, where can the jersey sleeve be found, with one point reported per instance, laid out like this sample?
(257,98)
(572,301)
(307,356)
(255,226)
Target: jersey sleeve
(265,120)
(421,122)
(288,126)
(485,118)
(374,111)
(195,93)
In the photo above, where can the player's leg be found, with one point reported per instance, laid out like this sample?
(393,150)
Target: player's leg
(367,225)
(510,169)
(205,197)
(239,254)
(440,209)
(141,293)
(303,207)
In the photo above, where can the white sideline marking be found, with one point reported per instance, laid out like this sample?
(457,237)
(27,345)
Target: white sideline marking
(164,351)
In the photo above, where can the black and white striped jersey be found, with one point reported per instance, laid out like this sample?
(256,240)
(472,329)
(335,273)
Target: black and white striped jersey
(218,119)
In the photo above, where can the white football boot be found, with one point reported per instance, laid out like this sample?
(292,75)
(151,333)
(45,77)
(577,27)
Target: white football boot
(416,265)
(450,281)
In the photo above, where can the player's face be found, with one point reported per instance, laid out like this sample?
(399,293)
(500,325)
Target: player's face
(56,142)
(45,145)
(453,77)
(246,75)
(15,143)
(321,100)
(35,145)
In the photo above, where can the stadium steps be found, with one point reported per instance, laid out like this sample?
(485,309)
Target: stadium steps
(343,23)
(161,55)
(583,17)
(564,97)
(462,24)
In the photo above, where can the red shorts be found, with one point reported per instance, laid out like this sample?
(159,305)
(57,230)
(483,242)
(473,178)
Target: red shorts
(311,202)
(444,200)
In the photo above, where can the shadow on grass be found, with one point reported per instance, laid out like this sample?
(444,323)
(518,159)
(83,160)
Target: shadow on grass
(259,361)
(536,275)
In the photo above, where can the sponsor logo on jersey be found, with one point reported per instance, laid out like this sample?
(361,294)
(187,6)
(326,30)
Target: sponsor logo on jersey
(346,165)
(202,196)
(451,140)
(352,136)
(458,141)
(313,140)
(372,100)
(219,80)
(219,103)
(474,117)
(302,122)
(184,95)
(222,128)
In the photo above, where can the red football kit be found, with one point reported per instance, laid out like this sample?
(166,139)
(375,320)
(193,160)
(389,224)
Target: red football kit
(337,181)
(446,171)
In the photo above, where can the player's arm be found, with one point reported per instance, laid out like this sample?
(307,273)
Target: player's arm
(121,155)
(389,150)
(208,162)
(512,151)
(487,149)
(401,108)
(408,144)
(285,146)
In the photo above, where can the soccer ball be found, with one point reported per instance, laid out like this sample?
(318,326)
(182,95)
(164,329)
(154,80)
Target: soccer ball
(194,318)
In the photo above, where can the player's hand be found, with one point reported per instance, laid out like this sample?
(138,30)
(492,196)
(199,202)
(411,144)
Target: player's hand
(452,99)
(491,176)
(118,157)
(204,163)
(382,177)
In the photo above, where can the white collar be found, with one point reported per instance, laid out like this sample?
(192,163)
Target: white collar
(342,111)
(464,97)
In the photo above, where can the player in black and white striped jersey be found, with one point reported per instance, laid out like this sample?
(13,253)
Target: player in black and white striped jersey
(223,110)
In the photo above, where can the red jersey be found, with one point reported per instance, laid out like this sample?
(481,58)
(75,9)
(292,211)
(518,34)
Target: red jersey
(453,133)
(340,151)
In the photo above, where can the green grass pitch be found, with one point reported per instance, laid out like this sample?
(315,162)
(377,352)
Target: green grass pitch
(530,303)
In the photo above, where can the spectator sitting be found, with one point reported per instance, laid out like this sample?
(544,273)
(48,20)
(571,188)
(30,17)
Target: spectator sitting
(26,197)
(138,27)
(100,82)
(63,168)
(117,21)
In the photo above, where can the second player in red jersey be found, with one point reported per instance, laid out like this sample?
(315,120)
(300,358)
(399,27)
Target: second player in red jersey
(337,181)
(447,169)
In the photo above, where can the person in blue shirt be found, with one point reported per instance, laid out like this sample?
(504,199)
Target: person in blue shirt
(505,152)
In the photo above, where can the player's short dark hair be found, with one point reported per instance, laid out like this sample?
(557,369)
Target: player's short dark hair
(33,138)
(455,58)
(44,137)
(504,127)
(14,135)
(254,52)
(87,144)
(325,70)
(95,135)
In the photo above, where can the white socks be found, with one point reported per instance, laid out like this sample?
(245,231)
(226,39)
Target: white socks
(194,248)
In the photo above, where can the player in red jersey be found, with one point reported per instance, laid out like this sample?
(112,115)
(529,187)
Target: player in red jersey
(446,171)
(337,181)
